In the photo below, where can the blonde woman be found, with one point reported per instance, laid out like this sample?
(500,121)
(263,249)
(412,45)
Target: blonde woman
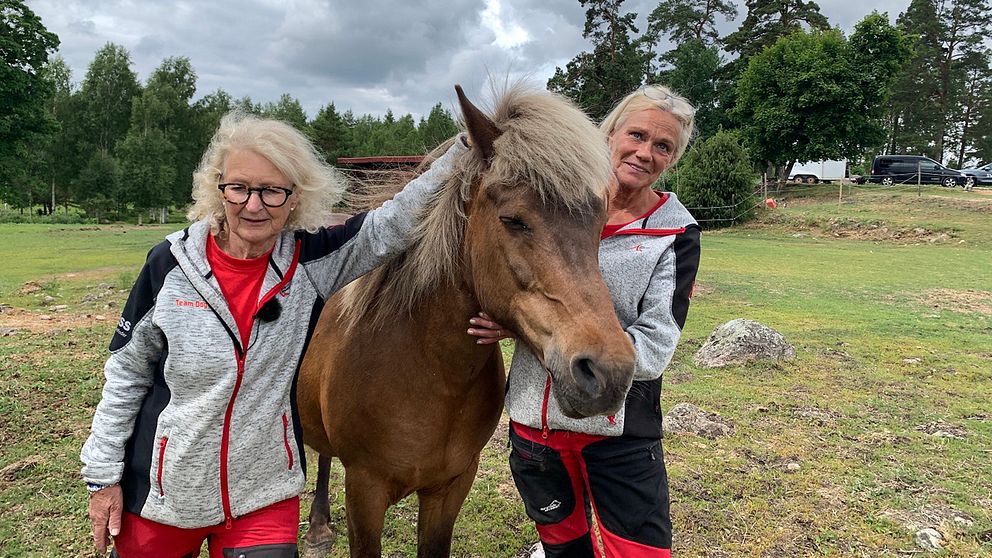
(568,469)
(196,436)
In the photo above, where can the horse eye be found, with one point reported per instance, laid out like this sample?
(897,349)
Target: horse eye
(514,224)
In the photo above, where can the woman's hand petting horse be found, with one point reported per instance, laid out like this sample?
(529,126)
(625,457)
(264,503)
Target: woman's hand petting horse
(488,331)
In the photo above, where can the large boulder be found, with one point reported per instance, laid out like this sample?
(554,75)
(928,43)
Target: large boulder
(686,417)
(740,341)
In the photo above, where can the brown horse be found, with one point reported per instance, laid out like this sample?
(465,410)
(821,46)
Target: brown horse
(394,387)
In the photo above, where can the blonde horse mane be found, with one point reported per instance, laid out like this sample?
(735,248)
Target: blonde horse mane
(545,143)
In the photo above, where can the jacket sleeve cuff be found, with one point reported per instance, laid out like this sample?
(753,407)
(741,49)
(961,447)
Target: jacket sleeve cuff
(103,474)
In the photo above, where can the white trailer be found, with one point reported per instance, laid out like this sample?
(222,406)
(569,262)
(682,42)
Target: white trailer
(818,171)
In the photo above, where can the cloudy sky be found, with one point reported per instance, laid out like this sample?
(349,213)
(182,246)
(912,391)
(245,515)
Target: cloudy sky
(366,55)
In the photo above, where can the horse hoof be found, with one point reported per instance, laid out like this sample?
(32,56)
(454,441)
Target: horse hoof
(318,549)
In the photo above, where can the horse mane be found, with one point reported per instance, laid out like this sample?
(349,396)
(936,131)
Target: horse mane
(546,143)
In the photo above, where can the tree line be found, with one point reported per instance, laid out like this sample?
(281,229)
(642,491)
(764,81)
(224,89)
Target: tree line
(785,87)
(794,89)
(115,147)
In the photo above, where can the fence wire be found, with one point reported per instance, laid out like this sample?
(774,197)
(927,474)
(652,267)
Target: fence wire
(360,177)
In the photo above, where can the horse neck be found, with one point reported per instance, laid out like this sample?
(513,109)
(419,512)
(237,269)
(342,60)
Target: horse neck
(441,322)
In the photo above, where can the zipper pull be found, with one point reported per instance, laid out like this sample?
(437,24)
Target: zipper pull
(544,432)
(227,524)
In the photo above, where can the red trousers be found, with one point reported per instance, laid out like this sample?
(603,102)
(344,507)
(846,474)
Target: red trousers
(269,532)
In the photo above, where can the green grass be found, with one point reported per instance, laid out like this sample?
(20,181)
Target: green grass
(886,296)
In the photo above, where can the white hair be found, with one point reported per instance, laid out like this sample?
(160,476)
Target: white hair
(318,185)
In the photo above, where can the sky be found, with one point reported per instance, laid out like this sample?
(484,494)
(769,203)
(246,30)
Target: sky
(366,56)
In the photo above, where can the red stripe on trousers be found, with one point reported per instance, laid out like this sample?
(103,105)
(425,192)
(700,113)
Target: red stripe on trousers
(569,446)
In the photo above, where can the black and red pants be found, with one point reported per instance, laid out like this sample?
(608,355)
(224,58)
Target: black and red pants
(569,476)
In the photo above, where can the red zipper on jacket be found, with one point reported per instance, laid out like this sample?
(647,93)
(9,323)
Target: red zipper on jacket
(285,439)
(161,464)
(544,408)
(225,497)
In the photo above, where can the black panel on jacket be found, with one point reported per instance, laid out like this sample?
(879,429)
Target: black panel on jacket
(642,410)
(318,307)
(158,264)
(686,266)
(326,240)
(141,446)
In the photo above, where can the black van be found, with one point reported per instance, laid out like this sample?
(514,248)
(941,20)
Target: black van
(904,169)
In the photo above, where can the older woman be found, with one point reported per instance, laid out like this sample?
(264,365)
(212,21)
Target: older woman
(197,436)
(566,469)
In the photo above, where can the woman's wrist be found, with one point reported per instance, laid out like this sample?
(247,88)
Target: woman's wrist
(93,487)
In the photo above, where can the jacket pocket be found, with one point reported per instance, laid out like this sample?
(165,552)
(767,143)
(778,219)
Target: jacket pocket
(285,439)
(162,445)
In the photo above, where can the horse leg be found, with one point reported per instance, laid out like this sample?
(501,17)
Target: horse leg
(439,507)
(319,536)
(366,498)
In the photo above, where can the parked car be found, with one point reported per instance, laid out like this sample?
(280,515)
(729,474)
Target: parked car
(981,174)
(907,169)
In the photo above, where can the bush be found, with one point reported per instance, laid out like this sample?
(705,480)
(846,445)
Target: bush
(31,215)
(716,182)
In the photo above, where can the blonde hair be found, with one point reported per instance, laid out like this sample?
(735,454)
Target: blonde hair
(318,185)
(655,97)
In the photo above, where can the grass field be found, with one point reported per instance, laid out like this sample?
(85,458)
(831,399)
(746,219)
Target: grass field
(887,409)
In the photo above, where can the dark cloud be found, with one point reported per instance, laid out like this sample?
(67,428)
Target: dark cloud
(365,56)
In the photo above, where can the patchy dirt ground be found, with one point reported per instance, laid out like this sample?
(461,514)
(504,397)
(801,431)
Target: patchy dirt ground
(880,230)
(968,300)
(14,320)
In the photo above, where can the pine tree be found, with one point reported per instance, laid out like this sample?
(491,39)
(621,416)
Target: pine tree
(331,134)
(933,102)
(617,65)
(769,20)
(438,127)
(287,109)
(685,20)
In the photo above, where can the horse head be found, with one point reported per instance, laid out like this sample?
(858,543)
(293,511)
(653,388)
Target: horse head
(530,249)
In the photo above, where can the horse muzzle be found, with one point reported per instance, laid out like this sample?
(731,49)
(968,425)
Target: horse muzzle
(594,385)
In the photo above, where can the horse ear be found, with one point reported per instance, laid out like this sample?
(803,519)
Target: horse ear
(481,129)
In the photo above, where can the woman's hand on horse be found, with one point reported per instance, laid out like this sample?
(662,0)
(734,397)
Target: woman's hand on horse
(105,515)
(488,331)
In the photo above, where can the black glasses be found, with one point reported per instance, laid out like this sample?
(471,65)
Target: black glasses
(271,196)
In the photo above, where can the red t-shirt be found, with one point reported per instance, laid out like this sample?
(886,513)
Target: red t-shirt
(240,281)
(609,230)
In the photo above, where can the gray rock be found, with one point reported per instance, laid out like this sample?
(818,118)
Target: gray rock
(7,331)
(740,341)
(929,539)
(686,417)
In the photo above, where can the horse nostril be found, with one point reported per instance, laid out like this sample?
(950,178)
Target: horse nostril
(584,373)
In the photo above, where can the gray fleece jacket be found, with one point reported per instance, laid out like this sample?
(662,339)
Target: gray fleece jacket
(649,267)
(197,428)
